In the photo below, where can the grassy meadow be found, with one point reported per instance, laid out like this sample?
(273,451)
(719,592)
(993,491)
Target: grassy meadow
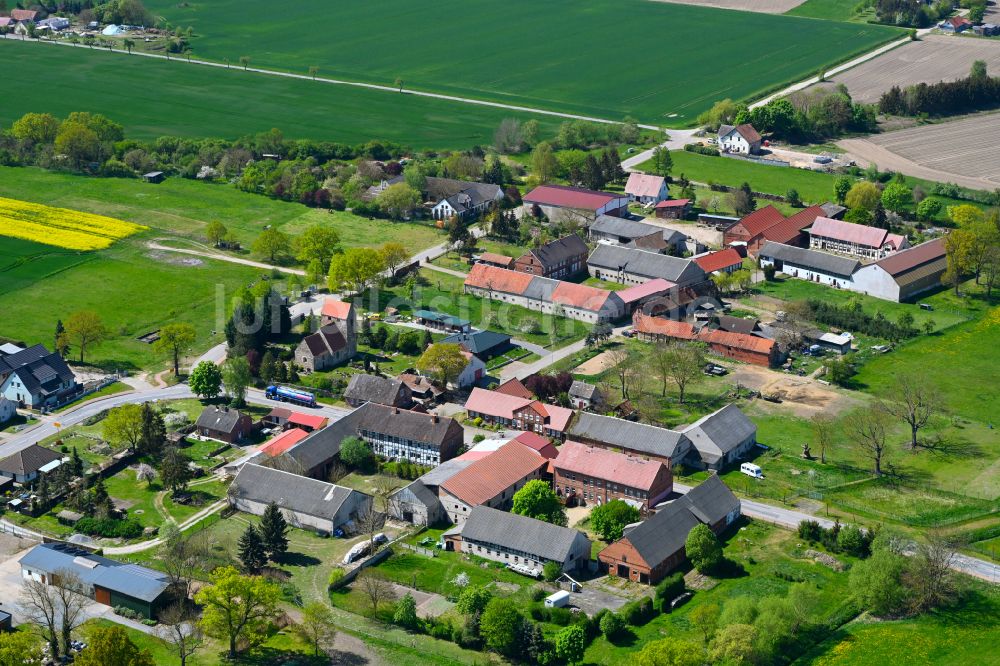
(153,98)
(662,73)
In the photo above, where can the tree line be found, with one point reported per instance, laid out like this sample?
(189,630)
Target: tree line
(976,92)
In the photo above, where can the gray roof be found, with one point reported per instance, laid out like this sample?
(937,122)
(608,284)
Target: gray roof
(720,432)
(381,390)
(528,535)
(221,419)
(478,342)
(323,444)
(665,533)
(737,324)
(443,472)
(540,288)
(129,579)
(711,500)
(815,260)
(560,250)
(327,340)
(617,226)
(833,210)
(466,194)
(290,491)
(28,460)
(582,390)
(417,493)
(40,370)
(650,265)
(629,435)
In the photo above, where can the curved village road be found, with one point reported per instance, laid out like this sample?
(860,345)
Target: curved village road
(790,519)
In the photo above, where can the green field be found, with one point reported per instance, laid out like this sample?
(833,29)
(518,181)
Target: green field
(561,55)
(137,290)
(834,10)
(153,98)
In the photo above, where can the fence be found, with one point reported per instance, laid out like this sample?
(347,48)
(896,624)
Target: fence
(758,160)
(429,552)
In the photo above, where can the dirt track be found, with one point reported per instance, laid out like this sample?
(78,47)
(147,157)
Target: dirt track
(933,58)
(759,6)
(958,151)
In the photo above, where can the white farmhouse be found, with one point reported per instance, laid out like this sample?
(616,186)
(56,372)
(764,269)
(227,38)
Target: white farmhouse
(739,139)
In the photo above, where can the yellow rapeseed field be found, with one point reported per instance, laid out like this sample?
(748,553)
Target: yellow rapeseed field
(61,227)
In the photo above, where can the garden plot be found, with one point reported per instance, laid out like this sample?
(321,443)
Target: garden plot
(934,58)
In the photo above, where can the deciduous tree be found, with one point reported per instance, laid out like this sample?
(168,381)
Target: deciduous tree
(85,329)
(536,499)
(317,243)
(500,625)
(206,380)
(443,361)
(863,196)
(123,426)
(609,519)
(238,607)
(703,548)
(236,377)
(20,648)
(357,269)
(913,401)
(179,629)
(216,232)
(866,428)
(375,587)
(317,627)
(571,642)
(174,339)
(111,646)
(398,201)
(271,243)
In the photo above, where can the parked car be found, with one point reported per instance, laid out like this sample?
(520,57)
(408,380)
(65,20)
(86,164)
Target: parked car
(752,470)
(881,349)
(714,369)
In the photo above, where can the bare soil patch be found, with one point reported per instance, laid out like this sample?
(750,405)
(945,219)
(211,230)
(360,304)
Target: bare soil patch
(703,235)
(931,59)
(953,151)
(802,396)
(596,365)
(759,6)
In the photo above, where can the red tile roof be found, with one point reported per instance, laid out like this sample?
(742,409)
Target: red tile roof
(716,261)
(849,232)
(749,132)
(286,440)
(483,276)
(915,256)
(314,421)
(516,388)
(580,296)
(23,14)
(762,218)
(494,258)
(788,230)
(648,288)
(659,326)
(559,417)
(608,465)
(534,441)
(683,331)
(673,203)
(569,197)
(737,341)
(643,185)
(336,309)
(493,403)
(487,477)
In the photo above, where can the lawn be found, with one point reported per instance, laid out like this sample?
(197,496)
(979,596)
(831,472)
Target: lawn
(154,98)
(444,293)
(574,68)
(814,187)
(133,293)
(282,647)
(962,635)
(183,207)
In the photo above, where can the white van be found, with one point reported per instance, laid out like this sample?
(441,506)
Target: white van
(752,470)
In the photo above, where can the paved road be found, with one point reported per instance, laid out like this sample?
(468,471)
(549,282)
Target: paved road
(46,426)
(676,140)
(789,518)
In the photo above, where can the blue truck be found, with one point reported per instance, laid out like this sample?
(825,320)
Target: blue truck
(285,394)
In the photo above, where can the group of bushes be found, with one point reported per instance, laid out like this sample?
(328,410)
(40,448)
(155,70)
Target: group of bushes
(403,469)
(853,318)
(839,538)
(701,150)
(110,527)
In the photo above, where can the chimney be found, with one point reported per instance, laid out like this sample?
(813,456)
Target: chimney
(434,418)
(395,410)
